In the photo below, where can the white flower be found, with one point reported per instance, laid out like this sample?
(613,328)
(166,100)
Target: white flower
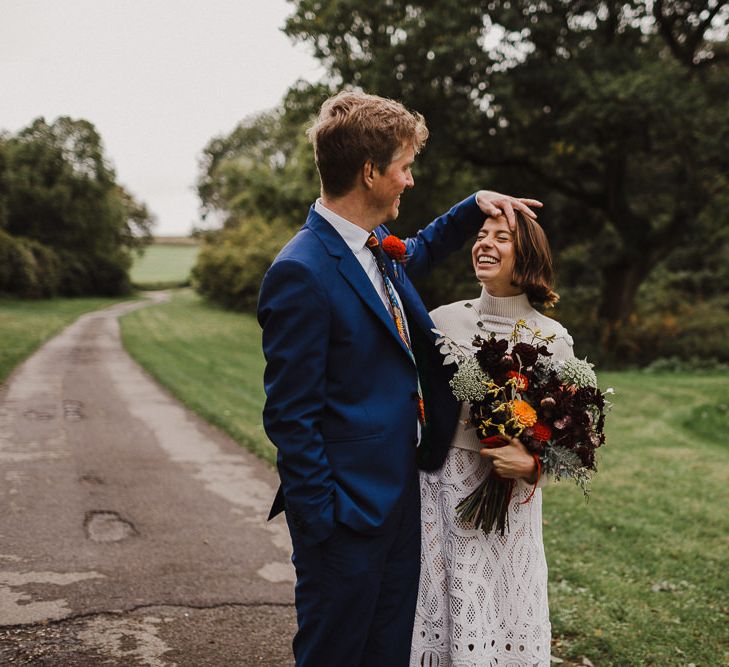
(469,381)
(578,373)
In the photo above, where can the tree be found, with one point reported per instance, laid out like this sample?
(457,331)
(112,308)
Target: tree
(616,113)
(263,168)
(57,189)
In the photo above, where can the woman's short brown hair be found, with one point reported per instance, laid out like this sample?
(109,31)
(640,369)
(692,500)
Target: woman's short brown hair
(533,270)
(353,128)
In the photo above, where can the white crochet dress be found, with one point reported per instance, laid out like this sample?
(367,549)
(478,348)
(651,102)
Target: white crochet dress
(483,598)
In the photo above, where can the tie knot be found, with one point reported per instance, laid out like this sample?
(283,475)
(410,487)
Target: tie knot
(372,241)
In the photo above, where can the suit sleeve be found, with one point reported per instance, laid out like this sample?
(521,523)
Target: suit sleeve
(446,234)
(294,314)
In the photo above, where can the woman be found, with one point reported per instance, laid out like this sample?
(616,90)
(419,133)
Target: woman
(483,598)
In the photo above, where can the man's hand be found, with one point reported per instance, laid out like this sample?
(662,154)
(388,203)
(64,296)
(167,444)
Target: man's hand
(494,204)
(512,461)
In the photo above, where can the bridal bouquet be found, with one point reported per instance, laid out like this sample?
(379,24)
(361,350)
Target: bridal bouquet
(514,389)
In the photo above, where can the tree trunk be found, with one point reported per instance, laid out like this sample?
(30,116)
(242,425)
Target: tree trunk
(621,280)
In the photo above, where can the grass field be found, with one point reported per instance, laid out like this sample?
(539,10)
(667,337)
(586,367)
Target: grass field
(164,264)
(25,325)
(638,575)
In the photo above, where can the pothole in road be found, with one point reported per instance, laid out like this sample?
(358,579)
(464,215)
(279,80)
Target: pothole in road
(39,415)
(73,410)
(105,526)
(84,354)
(90,478)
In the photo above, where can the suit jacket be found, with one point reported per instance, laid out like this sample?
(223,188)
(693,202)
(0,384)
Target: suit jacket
(341,388)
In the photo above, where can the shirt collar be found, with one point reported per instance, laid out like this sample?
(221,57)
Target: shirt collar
(354,236)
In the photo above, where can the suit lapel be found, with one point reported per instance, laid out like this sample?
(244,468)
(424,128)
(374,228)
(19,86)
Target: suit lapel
(352,271)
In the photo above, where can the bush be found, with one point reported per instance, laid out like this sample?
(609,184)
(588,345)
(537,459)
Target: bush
(99,275)
(28,268)
(230,266)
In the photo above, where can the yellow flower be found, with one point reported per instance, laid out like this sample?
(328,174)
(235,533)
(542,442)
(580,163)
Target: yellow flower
(524,413)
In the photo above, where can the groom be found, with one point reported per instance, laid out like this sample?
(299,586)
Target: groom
(350,363)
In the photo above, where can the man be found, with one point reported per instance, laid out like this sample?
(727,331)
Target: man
(343,328)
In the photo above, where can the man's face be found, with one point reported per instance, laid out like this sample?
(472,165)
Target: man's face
(390,184)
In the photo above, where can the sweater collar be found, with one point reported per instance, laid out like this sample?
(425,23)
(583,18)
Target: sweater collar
(509,307)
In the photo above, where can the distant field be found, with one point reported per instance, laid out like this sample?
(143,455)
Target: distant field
(165,263)
(638,575)
(25,325)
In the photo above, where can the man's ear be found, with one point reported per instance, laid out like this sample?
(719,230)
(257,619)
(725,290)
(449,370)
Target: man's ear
(368,174)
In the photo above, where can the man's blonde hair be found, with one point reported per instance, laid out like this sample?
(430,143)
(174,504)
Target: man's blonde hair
(353,128)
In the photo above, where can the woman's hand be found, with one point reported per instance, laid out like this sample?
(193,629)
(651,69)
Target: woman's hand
(512,461)
(494,204)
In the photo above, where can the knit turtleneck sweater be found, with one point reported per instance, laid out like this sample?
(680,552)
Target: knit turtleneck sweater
(498,314)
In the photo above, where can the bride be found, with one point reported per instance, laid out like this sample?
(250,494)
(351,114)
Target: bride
(483,598)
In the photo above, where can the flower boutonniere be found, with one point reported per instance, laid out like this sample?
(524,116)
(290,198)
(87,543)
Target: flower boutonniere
(395,248)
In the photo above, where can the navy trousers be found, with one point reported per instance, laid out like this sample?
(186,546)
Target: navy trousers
(356,594)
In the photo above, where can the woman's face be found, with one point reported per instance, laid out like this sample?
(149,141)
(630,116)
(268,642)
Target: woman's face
(493,257)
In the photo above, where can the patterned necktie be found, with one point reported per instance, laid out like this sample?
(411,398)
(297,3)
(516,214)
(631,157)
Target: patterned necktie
(374,245)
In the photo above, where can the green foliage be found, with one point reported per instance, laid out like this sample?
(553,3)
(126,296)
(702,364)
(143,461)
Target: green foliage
(28,268)
(230,269)
(264,166)
(615,115)
(60,200)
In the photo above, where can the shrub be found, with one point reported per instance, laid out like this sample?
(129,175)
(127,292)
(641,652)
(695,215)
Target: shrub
(28,268)
(231,265)
(100,275)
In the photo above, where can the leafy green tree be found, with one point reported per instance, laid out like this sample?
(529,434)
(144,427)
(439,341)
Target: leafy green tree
(57,189)
(264,166)
(256,183)
(230,267)
(615,113)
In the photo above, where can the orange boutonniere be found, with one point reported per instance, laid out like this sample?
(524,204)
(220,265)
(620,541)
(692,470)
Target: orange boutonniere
(395,248)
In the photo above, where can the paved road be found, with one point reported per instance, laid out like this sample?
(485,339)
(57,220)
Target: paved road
(131,532)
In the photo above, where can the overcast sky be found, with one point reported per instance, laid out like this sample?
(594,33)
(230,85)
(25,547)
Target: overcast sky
(158,78)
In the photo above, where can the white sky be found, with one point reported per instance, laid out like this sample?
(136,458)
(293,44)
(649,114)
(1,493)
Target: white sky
(158,78)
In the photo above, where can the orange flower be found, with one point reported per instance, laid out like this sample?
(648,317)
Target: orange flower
(394,247)
(524,413)
(542,432)
(522,381)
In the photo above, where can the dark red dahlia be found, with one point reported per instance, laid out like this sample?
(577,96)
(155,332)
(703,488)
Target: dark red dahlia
(527,354)
(490,355)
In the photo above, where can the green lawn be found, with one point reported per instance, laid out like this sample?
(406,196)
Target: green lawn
(164,265)
(209,358)
(25,325)
(638,575)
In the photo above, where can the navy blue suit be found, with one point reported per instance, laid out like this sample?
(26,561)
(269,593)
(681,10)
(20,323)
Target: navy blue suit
(341,408)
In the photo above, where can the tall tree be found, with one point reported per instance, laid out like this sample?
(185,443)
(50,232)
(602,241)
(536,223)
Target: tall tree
(263,168)
(58,189)
(616,112)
